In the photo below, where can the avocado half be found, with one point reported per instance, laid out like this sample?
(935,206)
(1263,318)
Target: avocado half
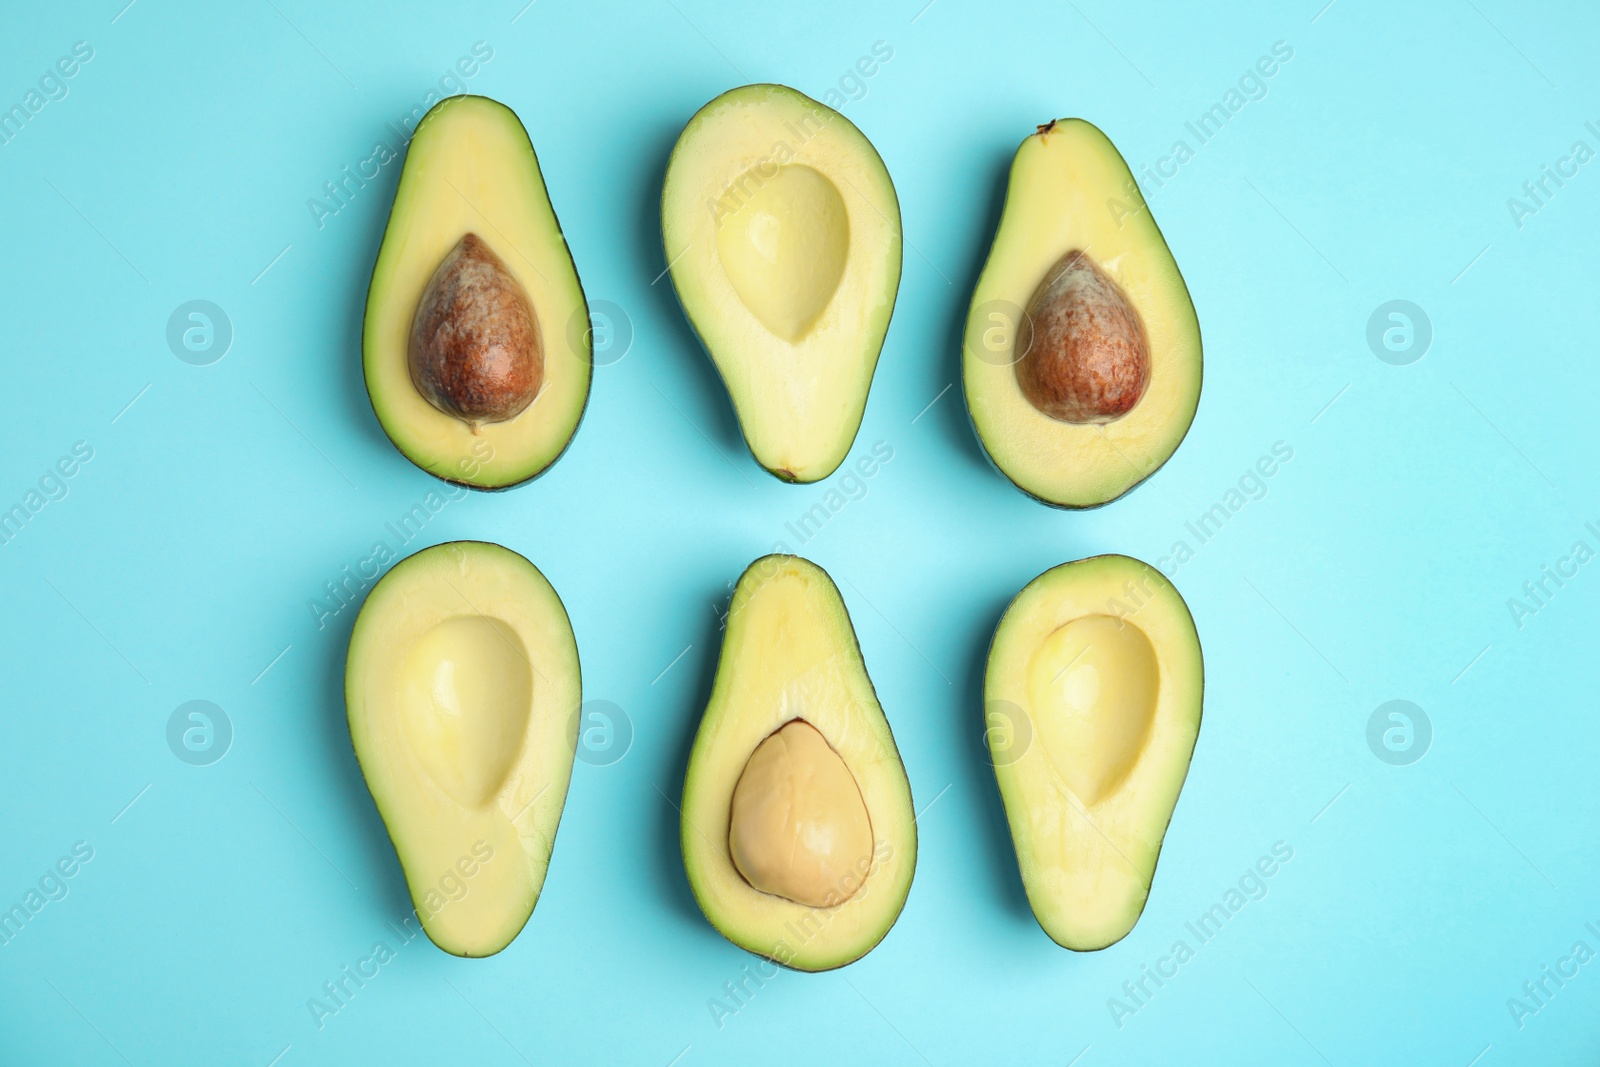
(1081,361)
(471,176)
(1092,701)
(782,234)
(794,782)
(463,691)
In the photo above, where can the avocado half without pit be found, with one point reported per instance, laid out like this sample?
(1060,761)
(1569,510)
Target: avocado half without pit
(798,833)
(1092,701)
(462,689)
(476,346)
(782,234)
(1081,361)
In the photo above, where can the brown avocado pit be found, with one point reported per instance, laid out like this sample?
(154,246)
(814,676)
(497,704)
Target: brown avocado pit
(1084,354)
(475,352)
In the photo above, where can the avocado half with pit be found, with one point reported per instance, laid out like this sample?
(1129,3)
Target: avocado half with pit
(463,693)
(798,834)
(782,234)
(476,346)
(1092,707)
(1081,360)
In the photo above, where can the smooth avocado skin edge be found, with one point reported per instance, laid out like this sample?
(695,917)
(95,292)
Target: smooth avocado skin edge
(789,659)
(762,344)
(465,141)
(996,409)
(471,802)
(1088,894)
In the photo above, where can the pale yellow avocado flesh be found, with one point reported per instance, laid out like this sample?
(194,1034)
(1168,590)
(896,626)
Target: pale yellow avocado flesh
(1092,701)
(1070,190)
(798,826)
(1092,688)
(784,250)
(470,168)
(782,232)
(789,653)
(462,689)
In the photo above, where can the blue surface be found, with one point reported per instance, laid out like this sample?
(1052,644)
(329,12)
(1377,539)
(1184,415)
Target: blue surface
(1374,565)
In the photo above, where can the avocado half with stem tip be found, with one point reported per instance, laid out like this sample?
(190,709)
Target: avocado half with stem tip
(476,346)
(1092,701)
(781,230)
(798,833)
(1081,360)
(463,691)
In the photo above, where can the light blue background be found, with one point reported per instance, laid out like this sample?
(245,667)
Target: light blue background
(1377,566)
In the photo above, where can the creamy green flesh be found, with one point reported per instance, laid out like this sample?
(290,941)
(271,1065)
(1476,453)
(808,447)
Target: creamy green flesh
(470,168)
(794,782)
(1092,698)
(462,690)
(782,232)
(1071,191)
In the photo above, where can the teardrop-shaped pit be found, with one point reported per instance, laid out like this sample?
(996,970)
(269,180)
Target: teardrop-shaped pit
(1082,353)
(798,828)
(475,352)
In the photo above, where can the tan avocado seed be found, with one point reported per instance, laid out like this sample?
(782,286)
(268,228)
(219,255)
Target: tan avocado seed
(1085,358)
(798,827)
(475,351)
